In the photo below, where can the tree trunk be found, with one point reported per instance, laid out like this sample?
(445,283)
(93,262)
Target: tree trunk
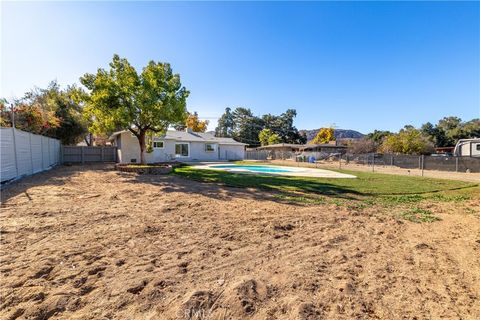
(88,139)
(141,141)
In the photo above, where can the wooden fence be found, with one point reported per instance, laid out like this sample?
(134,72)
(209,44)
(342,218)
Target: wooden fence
(78,154)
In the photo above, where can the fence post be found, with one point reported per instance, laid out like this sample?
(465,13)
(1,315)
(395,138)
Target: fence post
(41,146)
(456,164)
(15,149)
(48,152)
(391,160)
(373,162)
(31,153)
(83,155)
(423,163)
(101,153)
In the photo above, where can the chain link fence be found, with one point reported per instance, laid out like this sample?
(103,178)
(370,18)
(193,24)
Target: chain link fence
(440,163)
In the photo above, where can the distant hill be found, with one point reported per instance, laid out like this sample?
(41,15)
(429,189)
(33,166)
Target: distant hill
(339,134)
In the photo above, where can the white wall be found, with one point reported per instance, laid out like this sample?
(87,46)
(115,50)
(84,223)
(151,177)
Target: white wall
(232,152)
(7,155)
(128,148)
(24,153)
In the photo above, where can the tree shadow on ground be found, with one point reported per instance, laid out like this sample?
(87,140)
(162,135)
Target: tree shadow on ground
(223,185)
(262,188)
(272,182)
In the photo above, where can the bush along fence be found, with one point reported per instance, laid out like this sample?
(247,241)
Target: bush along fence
(24,153)
(441,163)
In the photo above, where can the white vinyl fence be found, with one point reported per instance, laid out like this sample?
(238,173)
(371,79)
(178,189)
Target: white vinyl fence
(24,153)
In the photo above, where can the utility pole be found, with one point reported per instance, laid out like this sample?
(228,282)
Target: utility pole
(14,142)
(12,111)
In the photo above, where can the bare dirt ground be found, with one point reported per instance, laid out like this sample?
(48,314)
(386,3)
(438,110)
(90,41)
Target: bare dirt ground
(92,243)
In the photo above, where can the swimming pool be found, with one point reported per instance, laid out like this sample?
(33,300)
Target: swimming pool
(273,170)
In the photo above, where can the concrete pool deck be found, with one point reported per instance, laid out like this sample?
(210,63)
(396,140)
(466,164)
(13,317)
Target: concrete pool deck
(292,171)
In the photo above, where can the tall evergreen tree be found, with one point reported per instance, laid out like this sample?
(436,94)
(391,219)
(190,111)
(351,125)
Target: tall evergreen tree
(225,125)
(247,126)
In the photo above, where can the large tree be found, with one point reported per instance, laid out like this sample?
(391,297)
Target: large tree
(324,135)
(450,129)
(244,126)
(68,109)
(267,137)
(143,103)
(53,111)
(282,125)
(407,141)
(193,122)
(226,125)
(377,136)
(247,126)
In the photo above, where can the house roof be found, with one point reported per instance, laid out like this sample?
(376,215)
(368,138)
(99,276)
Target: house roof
(322,145)
(189,137)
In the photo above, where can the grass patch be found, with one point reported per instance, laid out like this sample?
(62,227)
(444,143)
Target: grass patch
(450,198)
(368,189)
(401,199)
(418,215)
(469,211)
(366,184)
(299,199)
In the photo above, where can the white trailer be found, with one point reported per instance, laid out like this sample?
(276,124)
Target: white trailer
(467,148)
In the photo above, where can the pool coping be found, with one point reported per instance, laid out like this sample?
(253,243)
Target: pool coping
(294,171)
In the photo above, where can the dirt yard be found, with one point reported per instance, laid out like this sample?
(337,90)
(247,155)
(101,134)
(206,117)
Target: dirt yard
(92,243)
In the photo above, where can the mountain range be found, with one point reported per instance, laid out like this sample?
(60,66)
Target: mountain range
(338,133)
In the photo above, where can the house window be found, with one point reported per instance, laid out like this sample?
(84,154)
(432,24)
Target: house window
(478,147)
(209,147)
(158,144)
(182,150)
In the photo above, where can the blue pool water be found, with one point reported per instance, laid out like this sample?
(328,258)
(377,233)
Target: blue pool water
(265,169)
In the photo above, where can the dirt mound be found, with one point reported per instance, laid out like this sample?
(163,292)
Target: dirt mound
(308,311)
(244,297)
(198,305)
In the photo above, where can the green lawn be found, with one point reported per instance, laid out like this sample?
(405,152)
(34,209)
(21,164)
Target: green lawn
(366,183)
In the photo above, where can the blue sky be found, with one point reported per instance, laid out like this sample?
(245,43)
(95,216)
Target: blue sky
(362,65)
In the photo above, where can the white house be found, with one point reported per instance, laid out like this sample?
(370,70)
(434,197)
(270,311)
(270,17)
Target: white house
(467,148)
(180,146)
